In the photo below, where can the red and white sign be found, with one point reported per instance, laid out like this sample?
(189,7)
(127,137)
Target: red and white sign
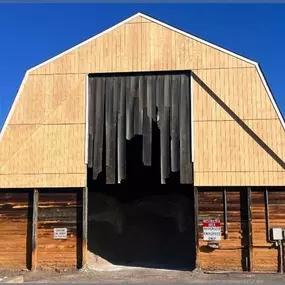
(212,229)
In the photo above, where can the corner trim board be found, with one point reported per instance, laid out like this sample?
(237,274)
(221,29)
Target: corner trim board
(192,115)
(86,119)
(14,105)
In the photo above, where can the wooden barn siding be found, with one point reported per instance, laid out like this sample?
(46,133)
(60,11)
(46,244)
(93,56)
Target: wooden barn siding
(14,224)
(229,256)
(43,145)
(238,138)
(62,210)
(56,209)
(264,255)
(222,157)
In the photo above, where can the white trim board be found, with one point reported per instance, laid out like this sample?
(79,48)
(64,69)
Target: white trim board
(86,118)
(192,115)
(14,105)
(169,27)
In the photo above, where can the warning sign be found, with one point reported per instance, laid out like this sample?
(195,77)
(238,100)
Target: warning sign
(212,229)
(60,233)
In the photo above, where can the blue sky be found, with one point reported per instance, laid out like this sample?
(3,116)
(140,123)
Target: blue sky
(32,33)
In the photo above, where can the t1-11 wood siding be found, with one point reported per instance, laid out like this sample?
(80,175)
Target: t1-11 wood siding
(239,139)
(15,229)
(44,142)
(59,210)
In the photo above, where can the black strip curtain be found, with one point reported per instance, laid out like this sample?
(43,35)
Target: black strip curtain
(121,107)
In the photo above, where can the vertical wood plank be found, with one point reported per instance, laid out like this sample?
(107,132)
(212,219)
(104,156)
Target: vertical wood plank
(196,219)
(164,131)
(175,152)
(185,156)
(84,226)
(91,114)
(147,125)
(35,228)
(110,135)
(250,248)
(99,127)
(122,132)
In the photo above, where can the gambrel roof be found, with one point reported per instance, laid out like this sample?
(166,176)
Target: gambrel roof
(169,27)
(238,135)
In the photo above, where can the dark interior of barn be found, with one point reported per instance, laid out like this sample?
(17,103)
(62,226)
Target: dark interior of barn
(141,222)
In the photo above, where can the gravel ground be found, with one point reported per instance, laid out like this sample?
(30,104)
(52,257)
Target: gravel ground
(142,275)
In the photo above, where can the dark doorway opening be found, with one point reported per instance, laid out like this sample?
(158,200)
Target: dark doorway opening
(141,222)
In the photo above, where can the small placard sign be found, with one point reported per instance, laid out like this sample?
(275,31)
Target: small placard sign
(60,233)
(212,229)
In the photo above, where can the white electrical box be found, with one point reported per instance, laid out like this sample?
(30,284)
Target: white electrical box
(277,233)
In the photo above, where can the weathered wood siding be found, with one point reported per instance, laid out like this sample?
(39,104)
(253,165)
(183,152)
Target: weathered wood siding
(59,210)
(132,103)
(265,253)
(265,258)
(238,142)
(230,255)
(234,253)
(15,215)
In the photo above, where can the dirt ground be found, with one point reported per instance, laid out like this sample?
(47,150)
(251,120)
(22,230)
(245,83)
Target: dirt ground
(142,275)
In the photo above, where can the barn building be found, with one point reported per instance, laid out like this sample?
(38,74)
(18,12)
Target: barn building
(143,146)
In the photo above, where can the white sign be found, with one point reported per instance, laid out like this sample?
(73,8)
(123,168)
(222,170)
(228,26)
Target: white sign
(60,233)
(277,234)
(212,229)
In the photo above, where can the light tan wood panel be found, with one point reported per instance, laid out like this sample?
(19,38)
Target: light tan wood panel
(237,91)
(46,131)
(185,53)
(259,157)
(15,136)
(43,95)
(29,108)
(28,159)
(244,178)
(51,149)
(63,149)
(42,180)
(137,19)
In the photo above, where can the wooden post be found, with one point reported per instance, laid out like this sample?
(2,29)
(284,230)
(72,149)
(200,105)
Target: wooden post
(250,255)
(35,229)
(280,244)
(84,225)
(267,215)
(226,233)
(196,213)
